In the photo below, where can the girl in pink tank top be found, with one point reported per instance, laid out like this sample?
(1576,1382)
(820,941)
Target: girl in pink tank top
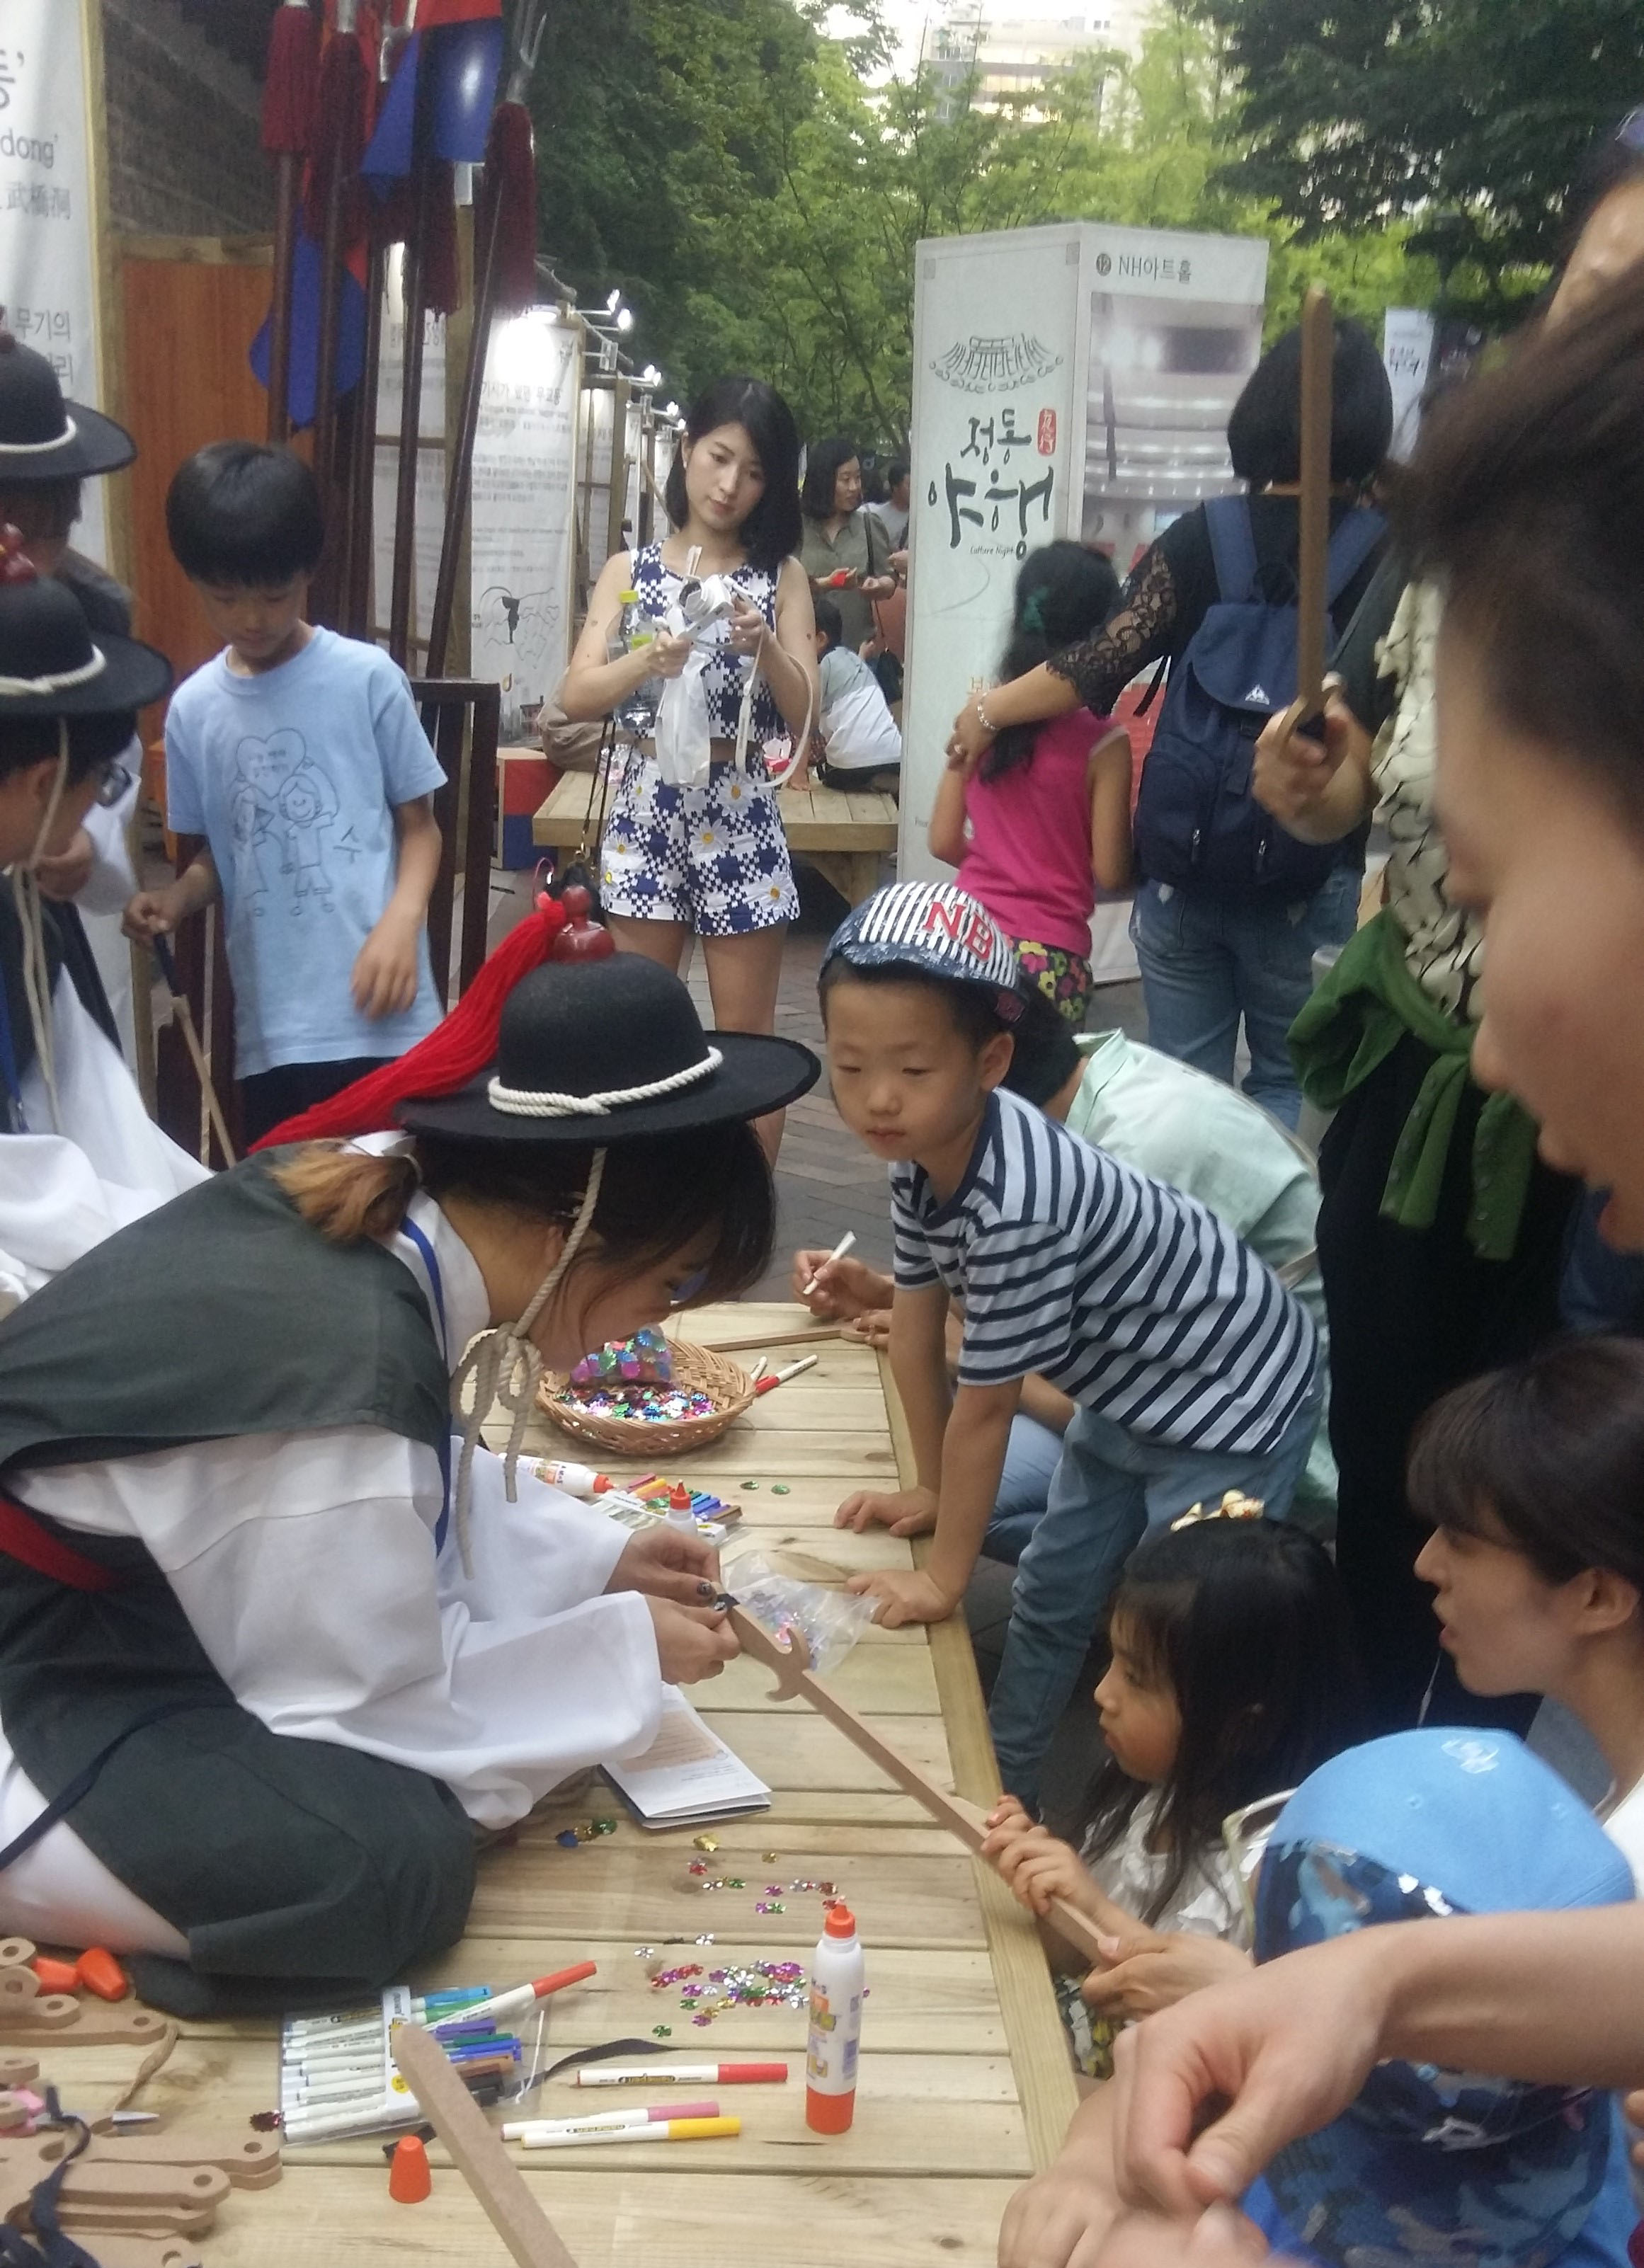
(1044,819)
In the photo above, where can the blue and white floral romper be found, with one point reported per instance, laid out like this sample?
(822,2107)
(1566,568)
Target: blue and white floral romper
(713,857)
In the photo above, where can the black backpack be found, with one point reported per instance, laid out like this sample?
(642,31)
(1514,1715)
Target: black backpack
(1197,826)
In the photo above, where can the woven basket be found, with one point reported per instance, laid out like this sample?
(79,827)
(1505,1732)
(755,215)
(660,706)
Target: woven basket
(697,1369)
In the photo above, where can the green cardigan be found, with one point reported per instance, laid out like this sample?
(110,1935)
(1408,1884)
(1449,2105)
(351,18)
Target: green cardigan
(1351,1025)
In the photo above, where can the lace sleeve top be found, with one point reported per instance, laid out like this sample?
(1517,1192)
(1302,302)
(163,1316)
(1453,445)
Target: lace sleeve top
(1173,587)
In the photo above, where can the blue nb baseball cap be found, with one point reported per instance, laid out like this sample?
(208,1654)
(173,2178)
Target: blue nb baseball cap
(934,928)
(1452,2167)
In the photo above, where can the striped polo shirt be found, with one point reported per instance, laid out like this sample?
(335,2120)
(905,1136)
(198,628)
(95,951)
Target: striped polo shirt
(1131,1297)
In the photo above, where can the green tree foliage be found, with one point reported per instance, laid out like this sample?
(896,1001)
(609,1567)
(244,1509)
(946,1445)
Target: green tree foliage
(1471,115)
(758,196)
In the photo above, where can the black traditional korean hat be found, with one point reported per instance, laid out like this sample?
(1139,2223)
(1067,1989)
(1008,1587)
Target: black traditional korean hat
(50,665)
(603,1051)
(42,436)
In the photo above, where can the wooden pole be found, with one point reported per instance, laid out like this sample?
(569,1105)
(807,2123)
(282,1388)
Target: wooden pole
(1319,354)
(478,2151)
(359,563)
(968,1820)
(459,471)
(401,627)
(287,177)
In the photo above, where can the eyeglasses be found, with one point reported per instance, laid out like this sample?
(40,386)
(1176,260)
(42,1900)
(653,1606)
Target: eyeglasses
(112,783)
(1630,133)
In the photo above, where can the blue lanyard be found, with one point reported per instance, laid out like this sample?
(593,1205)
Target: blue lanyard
(16,1122)
(426,1251)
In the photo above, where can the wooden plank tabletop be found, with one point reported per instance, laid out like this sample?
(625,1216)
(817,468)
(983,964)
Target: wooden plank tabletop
(965,2086)
(815,818)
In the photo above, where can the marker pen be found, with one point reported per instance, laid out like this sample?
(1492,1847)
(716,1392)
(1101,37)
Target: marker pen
(724,2075)
(675,2130)
(525,1995)
(516,2129)
(370,2020)
(769,1385)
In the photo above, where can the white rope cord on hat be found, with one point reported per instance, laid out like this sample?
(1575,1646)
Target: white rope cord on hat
(505,1367)
(31,919)
(531,1102)
(21,689)
(39,448)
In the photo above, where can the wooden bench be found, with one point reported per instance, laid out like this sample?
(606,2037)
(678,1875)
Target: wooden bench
(965,2084)
(844,837)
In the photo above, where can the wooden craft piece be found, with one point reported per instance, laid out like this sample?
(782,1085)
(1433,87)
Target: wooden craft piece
(797,1681)
(478,2152)
(165,2198)
(28,2013)
(251,2161)
(773,1340)
(146,2249)
(1318,356)
(19,2071)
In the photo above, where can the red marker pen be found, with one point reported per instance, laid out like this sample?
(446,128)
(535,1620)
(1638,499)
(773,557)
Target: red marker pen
(723,2074)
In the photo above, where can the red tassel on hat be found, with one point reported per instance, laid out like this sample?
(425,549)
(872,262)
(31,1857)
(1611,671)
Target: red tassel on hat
(288,91)
(455,1052)
(511,178)
(338,140)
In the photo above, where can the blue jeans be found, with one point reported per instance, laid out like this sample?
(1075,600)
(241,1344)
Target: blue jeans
(1024,1488)
(1206,961)
(1108,1490)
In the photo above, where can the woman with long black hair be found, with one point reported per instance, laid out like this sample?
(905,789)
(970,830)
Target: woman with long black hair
(711,860)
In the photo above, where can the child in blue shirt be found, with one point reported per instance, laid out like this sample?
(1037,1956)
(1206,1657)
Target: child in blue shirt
(299,758)
(1194,1372)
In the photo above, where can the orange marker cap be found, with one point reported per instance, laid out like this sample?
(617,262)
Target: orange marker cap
(55,1976)
(100,1973)
(409,2180)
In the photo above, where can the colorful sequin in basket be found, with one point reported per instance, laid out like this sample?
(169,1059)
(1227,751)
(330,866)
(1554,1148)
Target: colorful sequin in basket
(705,1395)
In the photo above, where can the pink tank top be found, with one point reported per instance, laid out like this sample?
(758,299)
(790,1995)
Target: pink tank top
(1028,857)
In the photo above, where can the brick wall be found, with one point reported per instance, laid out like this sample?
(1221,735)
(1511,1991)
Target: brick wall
(184,157)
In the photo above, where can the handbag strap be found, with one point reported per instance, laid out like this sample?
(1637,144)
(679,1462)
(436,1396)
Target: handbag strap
(599,785)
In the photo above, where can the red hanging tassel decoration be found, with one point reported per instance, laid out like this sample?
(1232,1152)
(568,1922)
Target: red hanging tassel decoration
(511,178)
(442,275)
(338,140)
(288,91)
(453,1053)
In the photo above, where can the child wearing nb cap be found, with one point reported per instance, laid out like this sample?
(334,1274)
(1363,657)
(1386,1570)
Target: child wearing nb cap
(1194,1370)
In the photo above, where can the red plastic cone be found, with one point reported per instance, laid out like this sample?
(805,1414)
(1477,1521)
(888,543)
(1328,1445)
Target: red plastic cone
(410,2181)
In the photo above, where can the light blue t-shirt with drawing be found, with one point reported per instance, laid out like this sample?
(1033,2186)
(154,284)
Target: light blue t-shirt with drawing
(292,777)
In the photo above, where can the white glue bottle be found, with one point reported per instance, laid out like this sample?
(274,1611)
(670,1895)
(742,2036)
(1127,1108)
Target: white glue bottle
(576,1480)
(835,2025)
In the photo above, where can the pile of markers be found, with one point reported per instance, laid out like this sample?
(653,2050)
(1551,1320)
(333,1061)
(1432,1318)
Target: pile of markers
(338,2075)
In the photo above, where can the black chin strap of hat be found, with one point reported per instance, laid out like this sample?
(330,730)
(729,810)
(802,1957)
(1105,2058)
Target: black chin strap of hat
(502,1365)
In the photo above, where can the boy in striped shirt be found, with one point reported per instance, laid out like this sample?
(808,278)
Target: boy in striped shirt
(1194,1369)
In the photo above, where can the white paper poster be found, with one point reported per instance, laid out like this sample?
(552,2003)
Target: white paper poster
(523,534)
(48,225)
(1175,329)
(1407,353)
(994,350)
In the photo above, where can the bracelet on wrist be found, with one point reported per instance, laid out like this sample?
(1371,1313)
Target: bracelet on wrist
(984,719)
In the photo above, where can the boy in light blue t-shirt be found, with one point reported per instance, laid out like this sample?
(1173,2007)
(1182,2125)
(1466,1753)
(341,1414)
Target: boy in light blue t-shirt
(299,757)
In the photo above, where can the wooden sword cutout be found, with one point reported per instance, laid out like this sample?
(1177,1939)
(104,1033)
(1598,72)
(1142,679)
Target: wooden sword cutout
(1318,355)
(797,1681)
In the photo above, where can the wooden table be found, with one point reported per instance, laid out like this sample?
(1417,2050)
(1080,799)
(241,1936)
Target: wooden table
(844,837)
(965,2085)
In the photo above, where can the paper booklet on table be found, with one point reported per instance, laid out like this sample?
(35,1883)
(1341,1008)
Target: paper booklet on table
(688,1775)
